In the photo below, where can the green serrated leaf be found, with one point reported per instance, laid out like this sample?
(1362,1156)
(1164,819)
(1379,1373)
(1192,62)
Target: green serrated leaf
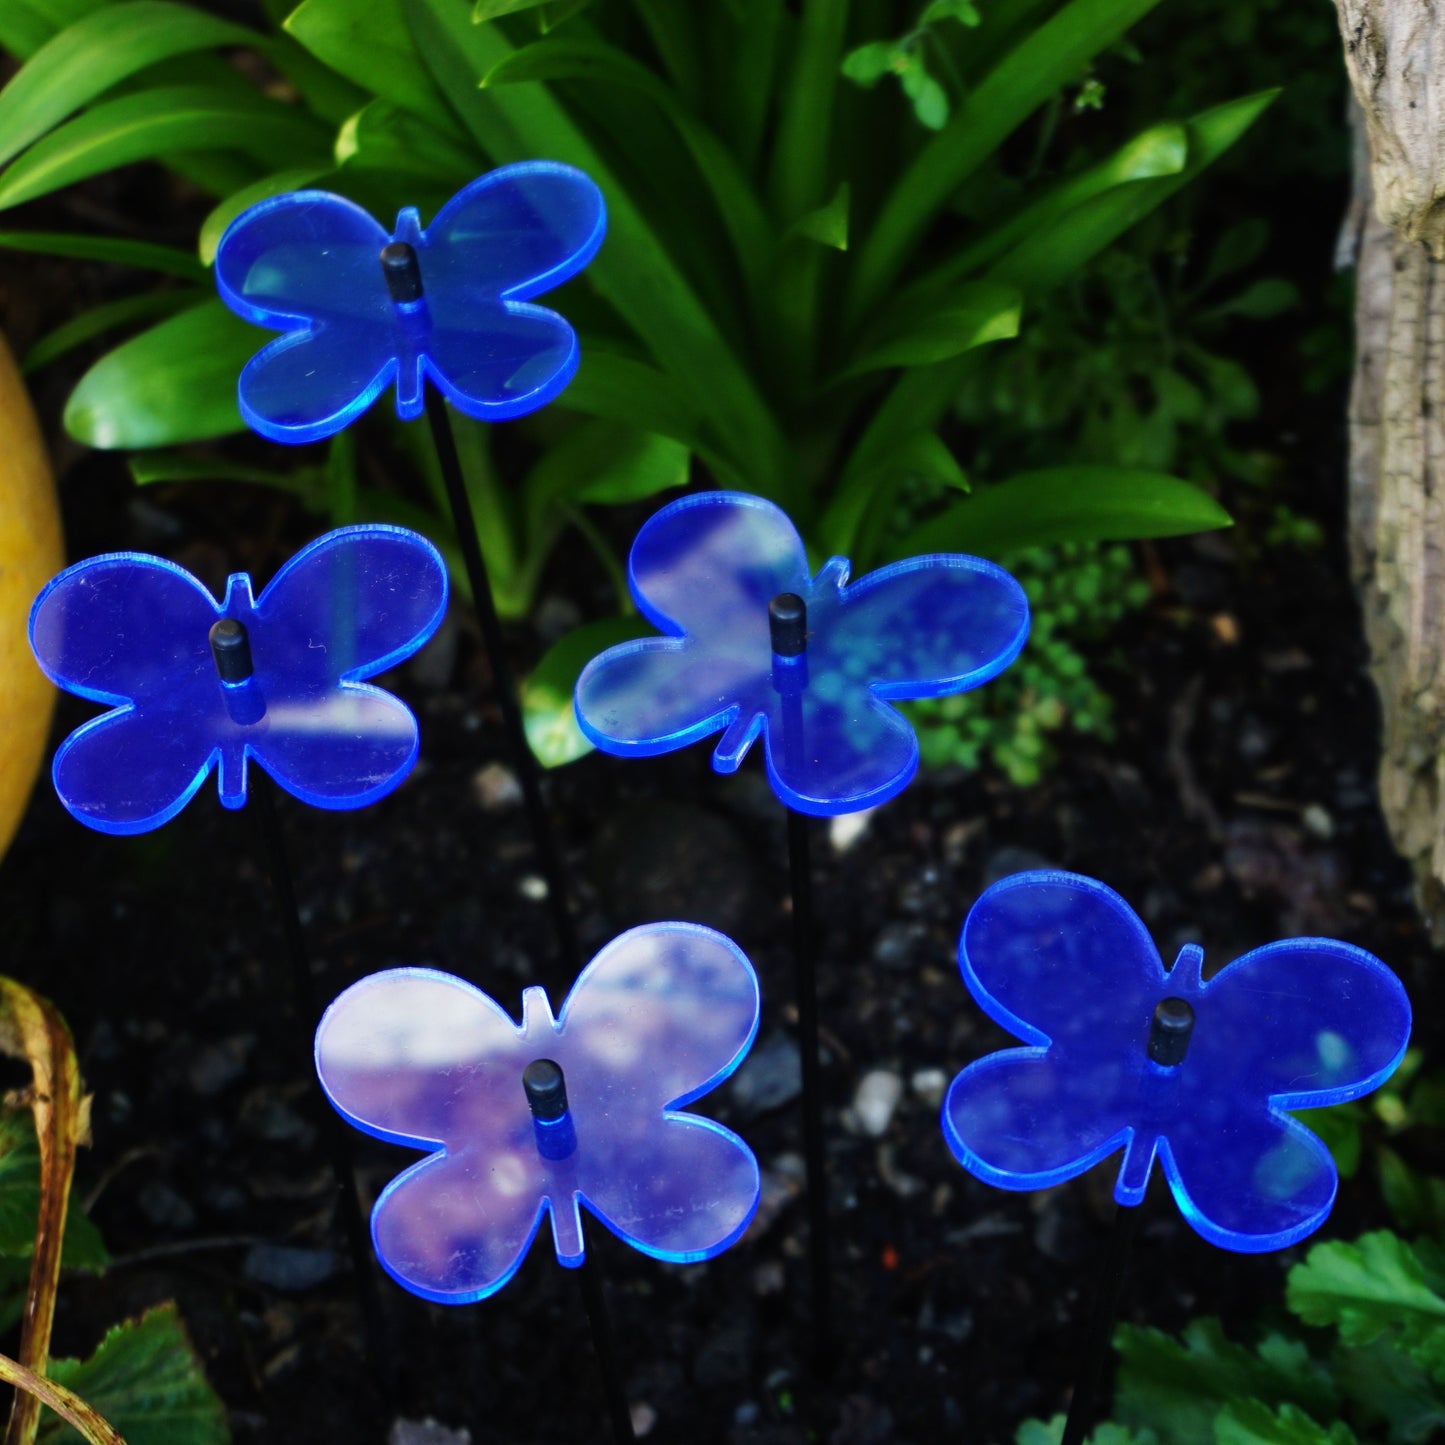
(1248,1422)
(1050,1432)
(1384,1385)
(1067,504)
(173,383)
(547,710)
(88,58)
(972,314)
(152,124)
(1179,1387)
(127,311)
(143,254)
(146,1379)
(1375,1288)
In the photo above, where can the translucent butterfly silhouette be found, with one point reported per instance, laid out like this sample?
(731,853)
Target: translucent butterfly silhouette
(662,1015)
(704,570)
(309,263)
(1063,963)
(133,631)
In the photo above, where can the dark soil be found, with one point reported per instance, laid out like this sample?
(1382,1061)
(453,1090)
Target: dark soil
(1234,807)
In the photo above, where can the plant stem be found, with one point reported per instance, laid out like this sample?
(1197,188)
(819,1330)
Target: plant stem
(801,872)
(528,770)
(1100,1332)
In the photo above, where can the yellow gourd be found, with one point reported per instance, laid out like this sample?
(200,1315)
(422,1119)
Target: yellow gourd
(31,552)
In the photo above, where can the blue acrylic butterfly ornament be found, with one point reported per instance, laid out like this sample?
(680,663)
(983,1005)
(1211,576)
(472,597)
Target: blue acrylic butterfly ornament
(1064,964)
(309,263)
(662,1015)
(134,632)
(705,569)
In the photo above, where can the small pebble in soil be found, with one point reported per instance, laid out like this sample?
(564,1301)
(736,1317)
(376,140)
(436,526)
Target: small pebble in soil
(929,1086)
(426,1432)
(897,943)
(769,1278)
(1004,862)
(495,788)
(214,1066)
(533,887)
(1317,821)
(644,1417)
(164,1208)
(725,1358)
(876,1098)
(781,1183)
(287,1267)
(846,829)
(771,1076)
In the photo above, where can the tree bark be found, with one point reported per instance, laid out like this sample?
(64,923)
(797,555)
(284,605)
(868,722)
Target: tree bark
(1396,237)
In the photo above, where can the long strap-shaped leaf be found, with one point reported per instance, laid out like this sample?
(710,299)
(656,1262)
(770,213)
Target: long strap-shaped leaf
(89,57)
(31,1028)
(633,271)
(1050,57)
(66,1403)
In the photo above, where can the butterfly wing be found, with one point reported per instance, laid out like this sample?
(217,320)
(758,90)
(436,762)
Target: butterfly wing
(308,263)
(1298,1024)
(661,1016)
(702,570)
(420,1058)
(512,234)
(1063,963)
(354,603)
(131,631)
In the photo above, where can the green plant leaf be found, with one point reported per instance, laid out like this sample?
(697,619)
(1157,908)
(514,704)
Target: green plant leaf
(1066,504)
(173,383)
(1162,150)
(828,225)
(149,125)
(1383,1384)
(484,10)
(594,61)
(214,226)
(82,1247)
(88,58)
(547,710)
(308,484)
(618,388)
(1247,1422)
(970,315)
(921,455)
(109,316)
(1375,1288)
(143,254)
(26,25)
(633,271)
(798,179)
(1269,296)
(1042,259)
(146,1379)
(869,63)
(1051,55)
(383,136)
(601,461)
(1040,1432)
(1179,1387)
(371,46)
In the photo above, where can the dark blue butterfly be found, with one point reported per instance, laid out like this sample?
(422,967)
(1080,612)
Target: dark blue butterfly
(309,263)
(1063,963)
(705,569)
(134,631)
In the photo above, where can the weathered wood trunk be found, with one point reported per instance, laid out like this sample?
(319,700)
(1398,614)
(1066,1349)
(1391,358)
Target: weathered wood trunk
(1395,55)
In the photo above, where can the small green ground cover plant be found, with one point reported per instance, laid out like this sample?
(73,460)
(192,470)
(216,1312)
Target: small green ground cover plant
(806,261)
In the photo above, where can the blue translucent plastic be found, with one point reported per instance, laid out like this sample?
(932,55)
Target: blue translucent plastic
(134,631)
(308,263)
(1063,963)
(705,568)
(661,1016)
